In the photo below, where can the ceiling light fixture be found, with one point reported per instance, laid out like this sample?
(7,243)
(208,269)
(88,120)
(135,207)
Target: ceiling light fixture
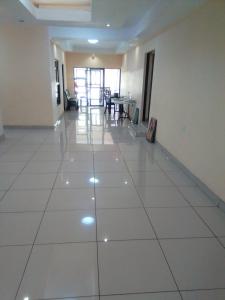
(92,41)
(108,25)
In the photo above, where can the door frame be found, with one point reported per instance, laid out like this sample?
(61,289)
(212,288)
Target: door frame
(88,70)
(146,86)
(103,84)
(63,85)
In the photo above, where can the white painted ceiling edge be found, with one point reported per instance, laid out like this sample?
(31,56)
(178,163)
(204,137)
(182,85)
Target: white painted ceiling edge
(73,36)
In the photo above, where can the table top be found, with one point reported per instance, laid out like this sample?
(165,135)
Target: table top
(123,100)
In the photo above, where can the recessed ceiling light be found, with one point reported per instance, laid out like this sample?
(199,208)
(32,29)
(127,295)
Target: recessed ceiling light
(108,25)
(92,41)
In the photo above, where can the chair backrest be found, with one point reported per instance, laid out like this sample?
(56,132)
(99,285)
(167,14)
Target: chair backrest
(107,95)
(67,93)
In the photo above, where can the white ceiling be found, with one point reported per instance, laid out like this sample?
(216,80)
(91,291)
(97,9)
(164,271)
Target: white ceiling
(131,20)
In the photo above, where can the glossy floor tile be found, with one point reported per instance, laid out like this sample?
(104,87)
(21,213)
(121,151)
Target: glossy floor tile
(12,263)
(214,217)
(161,197)
(113,179)
(75,180)
(16,156)
(18,228)
(63,199)
(117,197)
(34,181)
(154,178)
(196,263)
(67,227)
(177,222)
(11,167)
(2,193)
(140,165)
(147,296)
(60,271)
(132,267)
(180,179)
(56,155)
(204,295)
(196,197)
(123,224)
(6,180)
(222,240)
(24,200)
(111,166)
(88,211)
(41,167)
(77,166)
(109,156)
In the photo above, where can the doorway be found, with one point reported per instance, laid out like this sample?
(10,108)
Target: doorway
(63,84)
(90,84)
(148,77)
(96,85)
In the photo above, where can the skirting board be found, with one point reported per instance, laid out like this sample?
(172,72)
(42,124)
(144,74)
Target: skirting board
(28,127)
(213,197)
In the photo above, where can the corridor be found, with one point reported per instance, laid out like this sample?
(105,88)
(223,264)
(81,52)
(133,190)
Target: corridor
(87,211)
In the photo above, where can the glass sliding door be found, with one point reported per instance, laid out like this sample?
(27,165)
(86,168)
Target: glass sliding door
(89,84)
(96,85)
(80,85)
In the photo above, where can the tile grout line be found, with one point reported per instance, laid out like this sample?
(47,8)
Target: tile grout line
(96,232)
(101,242)
(195,211)
(96,228)
(33,244)
(18,174)
(157,239)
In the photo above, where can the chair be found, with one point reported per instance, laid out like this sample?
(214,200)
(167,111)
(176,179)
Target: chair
(108,101)
(70,101)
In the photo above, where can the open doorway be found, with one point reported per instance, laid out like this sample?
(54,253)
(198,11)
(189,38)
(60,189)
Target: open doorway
(95,84)
(90,83)
(148,77)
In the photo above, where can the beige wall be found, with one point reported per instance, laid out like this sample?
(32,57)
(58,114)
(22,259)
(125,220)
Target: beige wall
(25,85)
(188,96)
(85,60)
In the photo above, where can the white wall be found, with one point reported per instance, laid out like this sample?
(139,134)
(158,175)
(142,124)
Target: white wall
(188,95)
(25,85)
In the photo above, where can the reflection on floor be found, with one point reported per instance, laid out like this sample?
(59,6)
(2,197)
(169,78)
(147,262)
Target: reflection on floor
(89,212)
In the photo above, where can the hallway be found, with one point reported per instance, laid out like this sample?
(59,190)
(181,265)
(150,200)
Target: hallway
(89,212)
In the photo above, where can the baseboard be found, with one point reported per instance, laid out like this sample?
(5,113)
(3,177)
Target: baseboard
(28,127)
(213,197)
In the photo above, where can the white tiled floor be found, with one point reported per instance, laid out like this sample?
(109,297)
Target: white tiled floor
(88,212)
